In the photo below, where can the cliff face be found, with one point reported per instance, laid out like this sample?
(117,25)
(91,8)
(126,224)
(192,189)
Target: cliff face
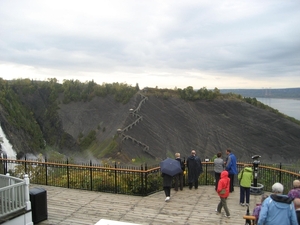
(163,126)
(174,125)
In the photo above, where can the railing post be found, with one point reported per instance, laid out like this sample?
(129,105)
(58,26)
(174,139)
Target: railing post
(68,177)
(205,173)
(115,177)
(146,180)
(206,164)
(280,167)
(46,170)
(25,165)
(27,200)
(4,164)
(91,175)
(142,180)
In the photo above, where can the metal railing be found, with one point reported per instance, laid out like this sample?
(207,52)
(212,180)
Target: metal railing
(114,178)
(12,195)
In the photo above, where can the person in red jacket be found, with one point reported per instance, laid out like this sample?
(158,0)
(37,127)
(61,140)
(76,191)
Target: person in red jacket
(223,192)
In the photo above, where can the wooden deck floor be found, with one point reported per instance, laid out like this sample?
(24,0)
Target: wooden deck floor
(187,207)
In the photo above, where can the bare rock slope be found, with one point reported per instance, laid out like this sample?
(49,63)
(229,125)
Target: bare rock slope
(166,126)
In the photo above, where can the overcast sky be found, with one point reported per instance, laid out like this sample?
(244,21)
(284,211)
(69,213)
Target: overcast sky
(163,43)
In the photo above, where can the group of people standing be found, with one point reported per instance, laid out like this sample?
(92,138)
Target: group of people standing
(194,166)
(279,208)
(274,209)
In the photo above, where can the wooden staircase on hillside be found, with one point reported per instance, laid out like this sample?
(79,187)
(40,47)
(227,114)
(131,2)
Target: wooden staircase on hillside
(134,113)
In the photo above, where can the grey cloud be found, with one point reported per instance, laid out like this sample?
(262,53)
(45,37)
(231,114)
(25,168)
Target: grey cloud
(248,39)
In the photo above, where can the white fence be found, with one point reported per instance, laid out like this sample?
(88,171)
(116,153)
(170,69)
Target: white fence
(14,195)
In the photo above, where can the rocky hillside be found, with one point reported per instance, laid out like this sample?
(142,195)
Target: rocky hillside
(153,127)
(160,127)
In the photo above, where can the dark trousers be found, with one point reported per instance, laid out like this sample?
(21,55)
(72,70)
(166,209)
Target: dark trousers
(178,182)
(244,191)
(217,178)
(223,204)
(195,183)
(167,191)
(231,176)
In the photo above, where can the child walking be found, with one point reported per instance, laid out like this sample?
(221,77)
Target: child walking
(223,192)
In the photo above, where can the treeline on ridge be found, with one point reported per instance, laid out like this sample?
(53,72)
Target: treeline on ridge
(17,97)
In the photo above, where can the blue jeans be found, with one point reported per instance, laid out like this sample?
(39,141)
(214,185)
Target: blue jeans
(244,191)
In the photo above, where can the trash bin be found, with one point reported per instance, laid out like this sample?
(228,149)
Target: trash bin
(38,199)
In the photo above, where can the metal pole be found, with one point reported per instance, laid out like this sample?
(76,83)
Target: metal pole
(68,174)
(115,177)
(46,170)
(91,175)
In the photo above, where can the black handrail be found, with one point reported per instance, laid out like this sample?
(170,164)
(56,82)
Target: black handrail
(115,178)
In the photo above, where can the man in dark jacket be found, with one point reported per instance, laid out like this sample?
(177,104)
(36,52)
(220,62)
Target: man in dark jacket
(194,166)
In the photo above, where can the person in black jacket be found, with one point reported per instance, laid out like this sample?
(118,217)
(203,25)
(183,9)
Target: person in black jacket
(179,177)
(167,183)
(194,166)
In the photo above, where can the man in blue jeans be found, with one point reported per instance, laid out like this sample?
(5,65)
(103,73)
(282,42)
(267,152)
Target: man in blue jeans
(231,167)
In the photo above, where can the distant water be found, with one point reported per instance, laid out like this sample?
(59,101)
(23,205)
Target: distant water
(290,107)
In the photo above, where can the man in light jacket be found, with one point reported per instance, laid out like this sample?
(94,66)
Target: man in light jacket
(277,208)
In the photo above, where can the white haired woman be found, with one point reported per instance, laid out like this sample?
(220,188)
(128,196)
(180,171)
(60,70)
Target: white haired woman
(278,208)
(295,191)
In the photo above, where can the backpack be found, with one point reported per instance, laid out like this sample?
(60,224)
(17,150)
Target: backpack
(183,165)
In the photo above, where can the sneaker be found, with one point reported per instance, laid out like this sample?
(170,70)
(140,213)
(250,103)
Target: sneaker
(227,216)
(217,212)
(242,204)
(247,204)
(167,199)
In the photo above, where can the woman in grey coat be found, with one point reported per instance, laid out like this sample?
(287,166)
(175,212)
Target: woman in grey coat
(218,168)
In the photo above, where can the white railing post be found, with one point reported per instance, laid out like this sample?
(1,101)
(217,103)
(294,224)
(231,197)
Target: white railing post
(28,216)
(27,200)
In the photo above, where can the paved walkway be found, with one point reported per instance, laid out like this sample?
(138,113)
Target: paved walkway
(187,207)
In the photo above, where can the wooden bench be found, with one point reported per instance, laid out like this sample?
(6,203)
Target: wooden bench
(251,219)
